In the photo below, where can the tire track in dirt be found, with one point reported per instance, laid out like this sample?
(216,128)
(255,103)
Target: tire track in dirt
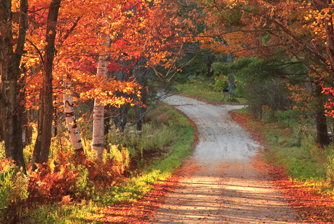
(225,187)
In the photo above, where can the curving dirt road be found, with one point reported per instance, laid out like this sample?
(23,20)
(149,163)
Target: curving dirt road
(222,181)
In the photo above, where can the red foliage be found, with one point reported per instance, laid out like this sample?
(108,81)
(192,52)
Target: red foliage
(51,182)
(56,180)
(329,105)
(102,174)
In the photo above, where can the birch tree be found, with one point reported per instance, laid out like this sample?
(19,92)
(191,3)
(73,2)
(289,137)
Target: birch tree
(98,112)
(71,122)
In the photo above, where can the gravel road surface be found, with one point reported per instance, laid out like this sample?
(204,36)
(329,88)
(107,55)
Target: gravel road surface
(222,181)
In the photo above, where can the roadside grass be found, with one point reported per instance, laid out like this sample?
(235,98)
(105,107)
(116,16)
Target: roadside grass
(303,172)
(203,88)
(167,132)
(297,152)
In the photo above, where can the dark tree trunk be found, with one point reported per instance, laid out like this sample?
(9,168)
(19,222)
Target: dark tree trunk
(24,113)
(106,124)
(208,65)
(138,118)
(0,124)
(30,129)
(55,117)
(11,99)
(320,118)
(123,118)
(47,80)
(140,109)
(25,126)
(37,149)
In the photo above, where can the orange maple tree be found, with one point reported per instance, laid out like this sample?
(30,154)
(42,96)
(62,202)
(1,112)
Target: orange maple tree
(63,40)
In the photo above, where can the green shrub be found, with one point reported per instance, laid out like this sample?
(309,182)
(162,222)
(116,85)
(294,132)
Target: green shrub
(2,150)
(221,82)
(287,118)
(330,170)
(156,135)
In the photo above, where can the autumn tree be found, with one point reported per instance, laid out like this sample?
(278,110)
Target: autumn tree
(42,146)
(267,26)
(81,28)
(13,28)
(63,39)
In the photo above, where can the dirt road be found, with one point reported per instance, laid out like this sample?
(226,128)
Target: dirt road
(222,181)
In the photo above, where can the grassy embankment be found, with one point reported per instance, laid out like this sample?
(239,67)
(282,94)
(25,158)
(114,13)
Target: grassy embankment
(166,138)
(293,145)
(202,87)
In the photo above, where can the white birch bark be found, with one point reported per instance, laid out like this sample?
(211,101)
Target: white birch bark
(98,112)
(70,119)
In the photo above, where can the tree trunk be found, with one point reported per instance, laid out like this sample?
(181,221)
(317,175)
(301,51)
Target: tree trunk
(55,117)
(123,119)
(11,99)
(71,122)
(30,129)
(208,67)
(320,118)
(210,60)
(98,112)
(107,113)
(140,110)
(47,80)
(139,122)
(25,125)
(37,148)
(0,123)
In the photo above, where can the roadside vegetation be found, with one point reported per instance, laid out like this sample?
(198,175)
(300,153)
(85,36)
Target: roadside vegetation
(291,143)
(208,82)
(298,167)
(208,88)
(72,188)
(287,113)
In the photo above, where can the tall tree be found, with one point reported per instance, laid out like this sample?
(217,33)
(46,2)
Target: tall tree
(70,117)
(98,121)
(10,71)
(43,142)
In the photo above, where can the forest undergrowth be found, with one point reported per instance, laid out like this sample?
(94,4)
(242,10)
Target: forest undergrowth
(76,188)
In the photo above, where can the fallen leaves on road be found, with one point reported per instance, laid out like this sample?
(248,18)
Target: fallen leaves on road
(142,210)
(306,198)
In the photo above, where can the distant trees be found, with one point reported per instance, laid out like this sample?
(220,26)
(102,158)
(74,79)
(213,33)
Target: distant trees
(302,31)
